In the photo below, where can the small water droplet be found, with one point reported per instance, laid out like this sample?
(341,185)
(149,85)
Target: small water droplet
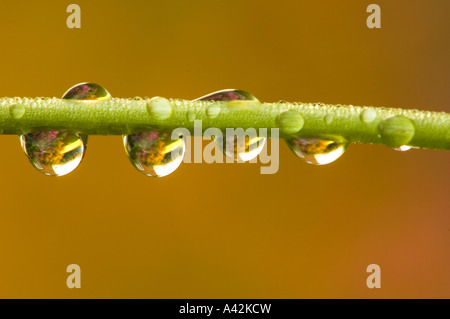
(290,122)
(368,115)
(240,148)
(159,108)
(317,151)
(154,153)
(213,111)
(17,111)
(396,131)
(190,116)
(328,119)
(87,91)
(53,153)
(403,148)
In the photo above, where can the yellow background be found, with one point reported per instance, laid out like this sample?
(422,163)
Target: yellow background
(223,230)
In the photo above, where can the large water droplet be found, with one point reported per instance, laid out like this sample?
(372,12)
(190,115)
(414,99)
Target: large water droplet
(396,131)
(87,91)
(154,153)
(228,95)
(239,147)
(57,153)
(317,151)
(290,122)
(53,153)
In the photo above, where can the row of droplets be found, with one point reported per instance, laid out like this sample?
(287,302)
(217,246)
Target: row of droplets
(155,153)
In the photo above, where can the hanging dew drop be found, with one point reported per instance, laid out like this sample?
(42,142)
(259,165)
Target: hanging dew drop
(403,148)
(240,147)
(86,92)
(317,151)
(57,153)
(154,153)
(53,153)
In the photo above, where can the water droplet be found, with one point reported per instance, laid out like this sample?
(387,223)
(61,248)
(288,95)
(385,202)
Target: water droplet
(190,116)
(159,108)
(290,122)
(17,111)
(403,148)
(87,91)
(213,111)
(396,131)
(53,153)
(368,115)
(228,95)
(154,153)
(317,151)
(328,119)
(239,147)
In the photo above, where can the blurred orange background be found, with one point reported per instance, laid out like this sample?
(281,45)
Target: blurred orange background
(222,230)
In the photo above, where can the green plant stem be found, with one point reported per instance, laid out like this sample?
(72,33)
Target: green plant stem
(125,116)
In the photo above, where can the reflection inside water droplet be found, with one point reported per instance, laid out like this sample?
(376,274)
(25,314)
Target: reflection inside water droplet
(154,153)
(241,147)
(53,153)
(317,151)
(403,148)
(238,147)
(228,95)
(87,91)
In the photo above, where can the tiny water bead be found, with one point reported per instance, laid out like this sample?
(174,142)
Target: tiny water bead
(317,151)
(53,153)
(87,91)
(396,131)
(154,153)
(238,147)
